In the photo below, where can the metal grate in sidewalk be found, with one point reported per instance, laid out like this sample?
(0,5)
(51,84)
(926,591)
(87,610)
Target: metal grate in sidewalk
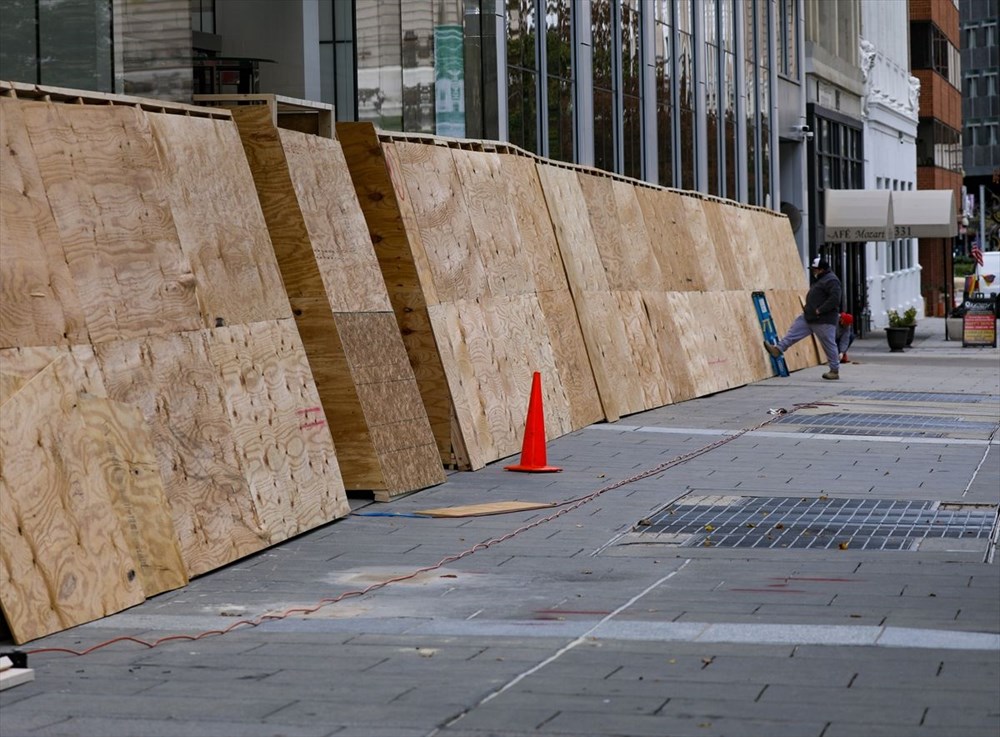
(881,421)
(817,523)
(945,397)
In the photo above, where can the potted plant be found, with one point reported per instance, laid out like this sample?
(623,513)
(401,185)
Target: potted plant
(909,321)
(897,332)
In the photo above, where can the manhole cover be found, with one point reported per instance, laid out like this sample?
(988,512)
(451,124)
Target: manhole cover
(881,421)
(819,523)
(945,397)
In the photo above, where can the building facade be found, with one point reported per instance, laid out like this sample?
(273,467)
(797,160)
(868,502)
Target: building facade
(934,59)
(889,115)
(980,52)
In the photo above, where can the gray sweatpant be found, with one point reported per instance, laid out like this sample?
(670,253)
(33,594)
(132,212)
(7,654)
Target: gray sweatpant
(827,335)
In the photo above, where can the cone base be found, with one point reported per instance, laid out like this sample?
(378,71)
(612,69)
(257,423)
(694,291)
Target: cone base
(533,469)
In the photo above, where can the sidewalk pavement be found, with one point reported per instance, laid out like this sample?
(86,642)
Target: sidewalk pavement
(701,582)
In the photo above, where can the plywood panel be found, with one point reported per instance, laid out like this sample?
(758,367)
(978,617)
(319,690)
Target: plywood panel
(281,437)
(599,202)
(538,239)
(643,267)
(461,355)
(40,304)
(760,256)
(665,219)
(727,244)
(341,245)
(63,557)
(176,386)
(391,401)
(571,359)
(638,334)
(697,256)
(128,467)
(219,220)
(571,220)
(498,240)
(108,198)
(669,334)
(445,228)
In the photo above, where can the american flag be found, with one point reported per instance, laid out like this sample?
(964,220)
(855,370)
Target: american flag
(977,254)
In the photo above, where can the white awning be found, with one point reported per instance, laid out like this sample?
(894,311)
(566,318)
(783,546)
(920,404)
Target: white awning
(924,213)
(858,215)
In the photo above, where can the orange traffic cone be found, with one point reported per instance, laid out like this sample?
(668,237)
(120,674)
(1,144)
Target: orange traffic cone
(533,448)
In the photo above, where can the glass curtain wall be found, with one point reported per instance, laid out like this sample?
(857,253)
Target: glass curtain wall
(605,87)
(380,63)
(686,92)
(631,46)
(712,95)
(727,17)
(63,44)
(663,61)
(751,102)
(559,78)
(522,74)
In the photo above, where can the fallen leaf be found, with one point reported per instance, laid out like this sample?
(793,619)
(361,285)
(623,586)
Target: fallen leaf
(751,525)
(709,527)
(643,523)
(779,526)
(843,546)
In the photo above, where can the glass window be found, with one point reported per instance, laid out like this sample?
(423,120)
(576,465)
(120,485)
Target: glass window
(604,85)
(522,74)
(380,64)
(631,46)
(664,85)
(788,38)
(686,91)
(559,73)
(712,94)
(728,28)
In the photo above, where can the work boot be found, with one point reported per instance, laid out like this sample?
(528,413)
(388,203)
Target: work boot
(832,375)
(772,349)
(845,359)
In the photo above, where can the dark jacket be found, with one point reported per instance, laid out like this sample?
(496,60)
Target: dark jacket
(823,300)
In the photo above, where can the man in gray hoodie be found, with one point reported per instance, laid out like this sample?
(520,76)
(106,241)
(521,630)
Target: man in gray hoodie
(819,317)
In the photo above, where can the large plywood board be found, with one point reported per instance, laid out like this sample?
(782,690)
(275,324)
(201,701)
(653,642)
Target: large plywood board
(40,305)
(310,201)
(63,557)
(108,197)
(443,221)
(218,219)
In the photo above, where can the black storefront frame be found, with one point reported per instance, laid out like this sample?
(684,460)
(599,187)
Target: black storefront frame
(847,259)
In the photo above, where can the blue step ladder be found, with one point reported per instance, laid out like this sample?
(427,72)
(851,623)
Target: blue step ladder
(770,334)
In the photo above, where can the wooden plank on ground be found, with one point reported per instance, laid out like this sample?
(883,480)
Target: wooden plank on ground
(480,510)
(40,305)
(106,189)
(63,557)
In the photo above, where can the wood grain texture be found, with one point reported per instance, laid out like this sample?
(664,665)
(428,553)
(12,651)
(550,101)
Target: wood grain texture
(498,240)
(665,218)
(531,216)
(281,437)
(219,220)
(445,227)
(728,244)
(127,464)
(63,557)
(40,305)
(109,200)
(639,257)
(341,245)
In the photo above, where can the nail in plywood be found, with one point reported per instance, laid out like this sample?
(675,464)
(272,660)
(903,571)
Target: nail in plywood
(63,557)
(40,306)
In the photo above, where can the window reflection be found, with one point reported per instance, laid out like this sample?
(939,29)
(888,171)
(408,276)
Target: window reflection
(380,63)
(604,85)
(751,101)
(662,57)
(522,74)
(685,71)
(631,34)
(559,77)
(728,102)
(712,95)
